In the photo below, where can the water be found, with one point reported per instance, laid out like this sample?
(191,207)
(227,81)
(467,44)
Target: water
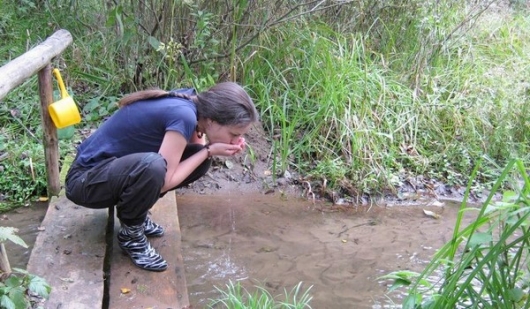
(276,242)
(267,241)
(27,220)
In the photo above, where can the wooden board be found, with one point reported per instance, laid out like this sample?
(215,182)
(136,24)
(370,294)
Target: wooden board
(148,289)
(69,254)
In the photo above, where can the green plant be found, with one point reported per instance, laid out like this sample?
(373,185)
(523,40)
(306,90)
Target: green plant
(485,265)
(9,233)
(22,161)
(15,290)
(98,108)
(237,297)
(23,169)
(17,287)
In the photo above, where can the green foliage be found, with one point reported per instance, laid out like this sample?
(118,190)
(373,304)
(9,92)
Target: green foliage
(485,265)
(338,98)
(237,297)
(14,290)
(23,165)
(336,102)
(23,168)
(99,108)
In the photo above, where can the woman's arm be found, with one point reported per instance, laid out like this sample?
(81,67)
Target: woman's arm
(171,149)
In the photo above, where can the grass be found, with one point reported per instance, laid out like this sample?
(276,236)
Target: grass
(359,105)
(344,105)
(234,296)
(485,265)
(331,99)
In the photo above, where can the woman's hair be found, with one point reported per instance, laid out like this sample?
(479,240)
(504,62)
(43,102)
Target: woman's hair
(226,103)
(150,94)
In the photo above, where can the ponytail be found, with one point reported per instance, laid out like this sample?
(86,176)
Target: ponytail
(150,94)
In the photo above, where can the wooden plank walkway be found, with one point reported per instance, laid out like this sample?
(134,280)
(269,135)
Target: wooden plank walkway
(69,253)
(152,289)
(76,255)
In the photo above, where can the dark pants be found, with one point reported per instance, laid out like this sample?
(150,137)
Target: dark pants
(131,182)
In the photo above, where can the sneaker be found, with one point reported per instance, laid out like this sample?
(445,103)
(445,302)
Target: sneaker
(152,229)
(132,241)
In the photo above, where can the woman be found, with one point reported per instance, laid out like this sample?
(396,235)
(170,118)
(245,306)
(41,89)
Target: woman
(155,143)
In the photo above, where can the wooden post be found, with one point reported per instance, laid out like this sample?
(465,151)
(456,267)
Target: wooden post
(50,140)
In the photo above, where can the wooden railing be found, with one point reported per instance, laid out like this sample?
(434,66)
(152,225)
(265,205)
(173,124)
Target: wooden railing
(38,61)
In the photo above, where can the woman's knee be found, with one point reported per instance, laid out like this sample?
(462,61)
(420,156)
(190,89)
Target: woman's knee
(154,167)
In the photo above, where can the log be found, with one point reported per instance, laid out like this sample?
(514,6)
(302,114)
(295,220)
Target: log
(28,64)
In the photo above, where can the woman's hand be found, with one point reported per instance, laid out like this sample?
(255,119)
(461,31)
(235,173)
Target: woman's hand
(226,150)
(242,143)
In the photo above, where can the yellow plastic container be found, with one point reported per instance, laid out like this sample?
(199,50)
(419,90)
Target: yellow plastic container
(64,112)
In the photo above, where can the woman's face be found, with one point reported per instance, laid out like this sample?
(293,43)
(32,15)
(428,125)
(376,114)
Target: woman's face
(225,134)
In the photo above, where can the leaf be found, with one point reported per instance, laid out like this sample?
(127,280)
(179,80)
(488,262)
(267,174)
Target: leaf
(13,281)
(5,231)
(154,42)
(516,294)
(509,196)
(411,301)
(404,278)
(125,290)
(39,286)
(19,299)
(8,233)
(6,302)
(431,214)
(66,133)
(398,283)
(402,274)
(479,238)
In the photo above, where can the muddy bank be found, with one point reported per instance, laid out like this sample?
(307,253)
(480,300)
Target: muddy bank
(251,172)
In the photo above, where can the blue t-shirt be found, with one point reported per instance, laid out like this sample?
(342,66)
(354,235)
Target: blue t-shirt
(139,127)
